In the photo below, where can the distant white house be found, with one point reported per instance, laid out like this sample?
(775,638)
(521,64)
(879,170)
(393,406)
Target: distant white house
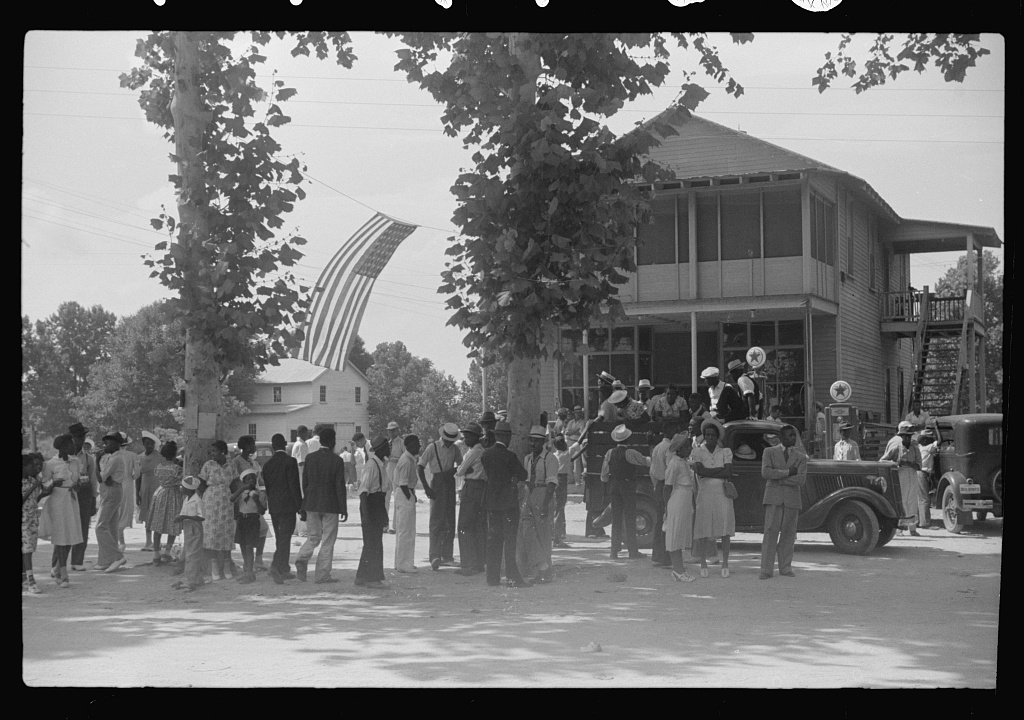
(299,393)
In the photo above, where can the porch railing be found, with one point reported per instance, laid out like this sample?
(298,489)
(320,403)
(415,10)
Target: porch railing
(906,306)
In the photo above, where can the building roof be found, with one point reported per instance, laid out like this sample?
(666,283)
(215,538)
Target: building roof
(291,370)
(706,150)
(277,409)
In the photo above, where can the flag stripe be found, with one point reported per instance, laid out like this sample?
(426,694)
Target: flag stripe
(330,278)
(343,290)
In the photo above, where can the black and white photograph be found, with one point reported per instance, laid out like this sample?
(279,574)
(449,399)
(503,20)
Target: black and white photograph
(535,359)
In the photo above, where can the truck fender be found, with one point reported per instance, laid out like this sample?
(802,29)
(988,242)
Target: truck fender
(817,514)
(954,479)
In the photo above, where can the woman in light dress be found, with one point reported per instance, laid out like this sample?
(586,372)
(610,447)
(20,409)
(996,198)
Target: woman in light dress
(166,503)
(679,488)
(127,495)
(220,476)
(61,512)
(714,516)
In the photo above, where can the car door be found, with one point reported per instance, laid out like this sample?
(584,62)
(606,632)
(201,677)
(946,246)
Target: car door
(748,507)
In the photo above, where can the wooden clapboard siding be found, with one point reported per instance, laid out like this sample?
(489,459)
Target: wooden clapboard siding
(708,280)
(657,282)
(783,276)
(736,280)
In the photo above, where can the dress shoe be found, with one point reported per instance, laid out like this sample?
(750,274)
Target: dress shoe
(636,556)
(409,570)
(764,576)
(300,570)
(915,533)
(79,568)
(788,573)
(247,578)
(276,576)
(435,563)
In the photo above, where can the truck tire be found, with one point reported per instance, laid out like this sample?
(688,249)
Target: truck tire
(646,515)
(949,514)
(853,527)
(886,533)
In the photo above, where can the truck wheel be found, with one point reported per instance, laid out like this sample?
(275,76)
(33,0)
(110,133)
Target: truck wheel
(949,515)
(885,534)
(854,528)
(646,512)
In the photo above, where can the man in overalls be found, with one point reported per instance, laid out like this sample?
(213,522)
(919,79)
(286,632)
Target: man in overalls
(443,460)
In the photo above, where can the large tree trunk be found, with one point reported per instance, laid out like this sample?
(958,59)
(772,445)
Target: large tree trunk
(202,373)
(523,402)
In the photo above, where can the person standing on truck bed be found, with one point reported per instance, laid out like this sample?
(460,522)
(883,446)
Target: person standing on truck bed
(726,404)
(784,467)
(619,472)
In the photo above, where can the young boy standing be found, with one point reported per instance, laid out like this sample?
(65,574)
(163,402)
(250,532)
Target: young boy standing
(249,506)
(191,519)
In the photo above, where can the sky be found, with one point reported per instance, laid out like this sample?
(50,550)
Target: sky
(94,171)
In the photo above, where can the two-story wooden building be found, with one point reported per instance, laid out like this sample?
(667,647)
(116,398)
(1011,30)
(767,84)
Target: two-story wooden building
(296,393)
(756,245)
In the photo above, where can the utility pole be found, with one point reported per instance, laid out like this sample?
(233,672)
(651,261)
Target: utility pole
(202,373)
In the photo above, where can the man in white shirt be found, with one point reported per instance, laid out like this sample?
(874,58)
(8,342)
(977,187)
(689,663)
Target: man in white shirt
(659,465)
(299,451)
(313,444)
(397,448)
(846,449)
(917,417)
(472,526)
(443,459)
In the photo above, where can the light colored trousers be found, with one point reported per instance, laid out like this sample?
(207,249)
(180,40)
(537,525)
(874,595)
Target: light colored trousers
(405,528)
(322,530)
(107,523)
(779,537)
(924,501)
(908,496)
(533,544)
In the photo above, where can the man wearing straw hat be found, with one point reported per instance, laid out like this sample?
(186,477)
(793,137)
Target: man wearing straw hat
(442,460)
(619,472)
(907,456)
(533,543)
(472,510)
(846,449)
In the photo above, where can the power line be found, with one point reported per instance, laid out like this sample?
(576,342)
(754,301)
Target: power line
(403,80)
(631,110)
(119,238)
(134,209)
(68,208)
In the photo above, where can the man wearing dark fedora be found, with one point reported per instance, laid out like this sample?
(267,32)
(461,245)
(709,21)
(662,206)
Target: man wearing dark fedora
(472,510)
(504,475)
(442,460)
(487,421)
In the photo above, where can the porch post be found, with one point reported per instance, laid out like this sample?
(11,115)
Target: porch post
(693,351)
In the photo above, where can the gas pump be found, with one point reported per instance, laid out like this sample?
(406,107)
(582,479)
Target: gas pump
(839,412)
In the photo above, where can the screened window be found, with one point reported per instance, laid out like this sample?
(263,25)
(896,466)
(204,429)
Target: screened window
(323,394)
(783,223)
(741,226)
(707,227)
(277,394)
(656,242)
(823,230)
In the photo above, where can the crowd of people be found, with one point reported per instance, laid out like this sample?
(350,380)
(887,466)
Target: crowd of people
(511,511)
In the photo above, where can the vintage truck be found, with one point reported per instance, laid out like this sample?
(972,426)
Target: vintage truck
(969,468)
(856,503)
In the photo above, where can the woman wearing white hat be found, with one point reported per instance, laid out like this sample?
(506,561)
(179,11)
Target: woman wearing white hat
(146,482)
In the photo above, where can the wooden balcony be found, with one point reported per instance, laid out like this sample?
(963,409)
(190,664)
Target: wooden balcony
(901,312)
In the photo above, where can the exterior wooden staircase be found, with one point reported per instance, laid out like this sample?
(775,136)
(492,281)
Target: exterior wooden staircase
(942,360)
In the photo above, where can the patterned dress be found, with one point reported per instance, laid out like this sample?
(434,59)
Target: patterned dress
(219,526)
(166,503)
(30,516)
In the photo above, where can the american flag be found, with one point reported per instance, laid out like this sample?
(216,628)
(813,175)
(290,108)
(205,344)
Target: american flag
(343,290)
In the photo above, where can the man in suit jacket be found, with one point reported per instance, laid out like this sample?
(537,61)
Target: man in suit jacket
(324,499)
(284,497)
(784,467)
(504,475)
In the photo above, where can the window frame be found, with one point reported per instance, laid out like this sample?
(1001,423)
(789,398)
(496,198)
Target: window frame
(359,394)
(323,393)
(278,394)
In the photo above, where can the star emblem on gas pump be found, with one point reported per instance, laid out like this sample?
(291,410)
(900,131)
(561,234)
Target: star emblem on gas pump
(840,390)
(755,357)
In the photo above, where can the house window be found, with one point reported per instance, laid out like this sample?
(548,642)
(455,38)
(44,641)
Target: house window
(252,429)
(823,230)
(850,217)
(707,227)
(783,375)
(741,226)
(294,435)
(323,393)
(612,350)
(359,394)
(359,428)
(277,394)
(656,242)
(783,225)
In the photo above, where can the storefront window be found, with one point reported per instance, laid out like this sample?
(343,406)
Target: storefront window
(782,376)
(762,333)
(734,335)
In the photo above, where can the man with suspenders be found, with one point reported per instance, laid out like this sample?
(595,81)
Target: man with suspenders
(443,459)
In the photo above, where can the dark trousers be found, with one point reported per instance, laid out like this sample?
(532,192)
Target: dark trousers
(473,526)
(86,505)
(374,518)
(442,517)
(284,526)
(623,514)
(561,495)
(502,526)
(658,552)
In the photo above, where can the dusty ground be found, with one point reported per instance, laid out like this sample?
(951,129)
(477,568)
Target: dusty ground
(921,612)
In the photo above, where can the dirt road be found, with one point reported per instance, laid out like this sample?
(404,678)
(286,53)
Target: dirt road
(921,612)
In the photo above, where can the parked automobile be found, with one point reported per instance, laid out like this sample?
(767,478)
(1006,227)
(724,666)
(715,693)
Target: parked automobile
(264,451)
(969,468)
(855,502)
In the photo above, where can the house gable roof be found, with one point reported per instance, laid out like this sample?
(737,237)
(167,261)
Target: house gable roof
(290,370)
(704,149)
